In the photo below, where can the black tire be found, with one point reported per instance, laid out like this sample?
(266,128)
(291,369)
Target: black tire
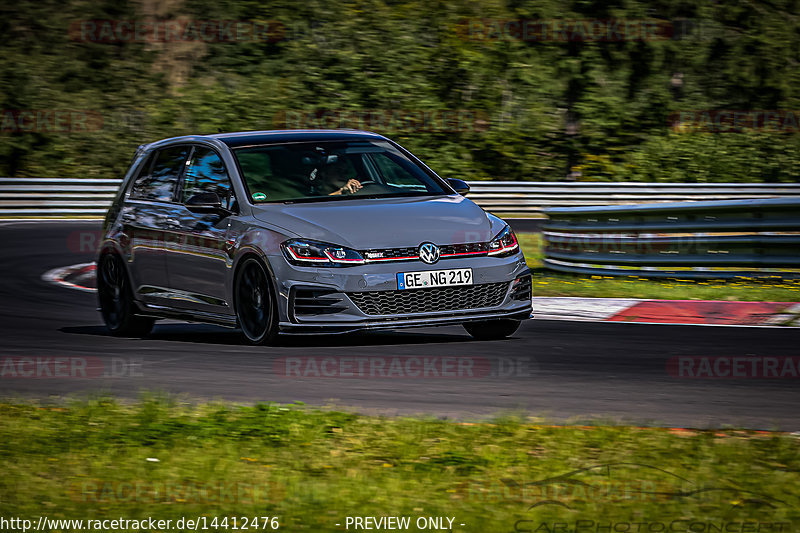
(116,300)
(489,330)
(256,306)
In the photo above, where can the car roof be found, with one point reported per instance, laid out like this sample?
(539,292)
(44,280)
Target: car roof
(254,138)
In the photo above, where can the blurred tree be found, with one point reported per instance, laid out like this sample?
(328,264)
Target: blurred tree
(450,80)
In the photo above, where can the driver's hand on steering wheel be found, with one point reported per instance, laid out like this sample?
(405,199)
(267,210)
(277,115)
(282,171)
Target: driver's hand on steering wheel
(350,187)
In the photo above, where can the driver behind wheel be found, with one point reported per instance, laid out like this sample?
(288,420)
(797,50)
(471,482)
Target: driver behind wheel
(341,176)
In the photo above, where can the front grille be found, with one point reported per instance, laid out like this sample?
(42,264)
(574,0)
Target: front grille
(446,251)
(429,300)
(386,254)
(469,248)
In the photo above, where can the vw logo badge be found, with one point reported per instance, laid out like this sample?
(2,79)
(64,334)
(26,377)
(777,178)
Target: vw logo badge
(428,253)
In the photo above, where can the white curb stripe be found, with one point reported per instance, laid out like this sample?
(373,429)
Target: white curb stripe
(56,276)
(570,308)
(778,319)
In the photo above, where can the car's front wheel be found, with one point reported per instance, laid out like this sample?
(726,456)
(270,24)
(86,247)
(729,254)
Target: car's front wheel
(487,330)
(116,300)
(256,308)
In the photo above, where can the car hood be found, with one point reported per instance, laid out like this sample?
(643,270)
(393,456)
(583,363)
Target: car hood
(384,222)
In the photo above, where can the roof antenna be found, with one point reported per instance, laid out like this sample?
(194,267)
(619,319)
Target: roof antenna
(219,130)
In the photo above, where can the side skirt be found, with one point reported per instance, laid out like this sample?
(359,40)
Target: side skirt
(163,311)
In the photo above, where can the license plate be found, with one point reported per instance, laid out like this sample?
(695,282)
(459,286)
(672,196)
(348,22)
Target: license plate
(434,278)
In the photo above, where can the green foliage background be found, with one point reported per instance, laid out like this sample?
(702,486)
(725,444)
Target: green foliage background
(590,111)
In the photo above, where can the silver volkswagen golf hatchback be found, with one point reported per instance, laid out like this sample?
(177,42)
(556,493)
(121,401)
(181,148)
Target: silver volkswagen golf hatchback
(316,231)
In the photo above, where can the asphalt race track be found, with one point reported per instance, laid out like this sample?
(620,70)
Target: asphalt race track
(561,371)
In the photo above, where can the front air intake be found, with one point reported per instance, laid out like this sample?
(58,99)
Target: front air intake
(402,302)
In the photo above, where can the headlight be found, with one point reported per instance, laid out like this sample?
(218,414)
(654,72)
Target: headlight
(312,253)
(504,244)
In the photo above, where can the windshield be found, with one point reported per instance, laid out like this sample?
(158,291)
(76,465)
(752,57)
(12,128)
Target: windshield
(303,172)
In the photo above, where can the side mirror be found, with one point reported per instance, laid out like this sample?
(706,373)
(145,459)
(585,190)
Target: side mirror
(205,202)
(460,186)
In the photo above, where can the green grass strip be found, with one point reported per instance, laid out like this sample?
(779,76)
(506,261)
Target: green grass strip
(312,468)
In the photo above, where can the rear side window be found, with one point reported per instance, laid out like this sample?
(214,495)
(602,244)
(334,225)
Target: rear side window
(206,173)
(157,181)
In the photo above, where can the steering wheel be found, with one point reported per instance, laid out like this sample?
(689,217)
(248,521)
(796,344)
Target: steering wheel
(365,185)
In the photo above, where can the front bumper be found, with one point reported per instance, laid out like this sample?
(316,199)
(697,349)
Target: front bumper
(299,288)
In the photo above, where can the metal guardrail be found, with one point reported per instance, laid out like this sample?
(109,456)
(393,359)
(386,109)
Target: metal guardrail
(752,238)
(43,197)
(502,197)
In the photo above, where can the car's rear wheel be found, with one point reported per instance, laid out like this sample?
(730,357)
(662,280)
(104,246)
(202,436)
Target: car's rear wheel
(116,300)
(487,330)
(256,308)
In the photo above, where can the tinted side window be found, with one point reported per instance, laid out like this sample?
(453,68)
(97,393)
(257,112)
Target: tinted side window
(142,172)
(206,174)
(159,182)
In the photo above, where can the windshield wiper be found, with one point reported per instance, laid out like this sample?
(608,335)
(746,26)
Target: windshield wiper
(395,194)
(316,199)
(337,197)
